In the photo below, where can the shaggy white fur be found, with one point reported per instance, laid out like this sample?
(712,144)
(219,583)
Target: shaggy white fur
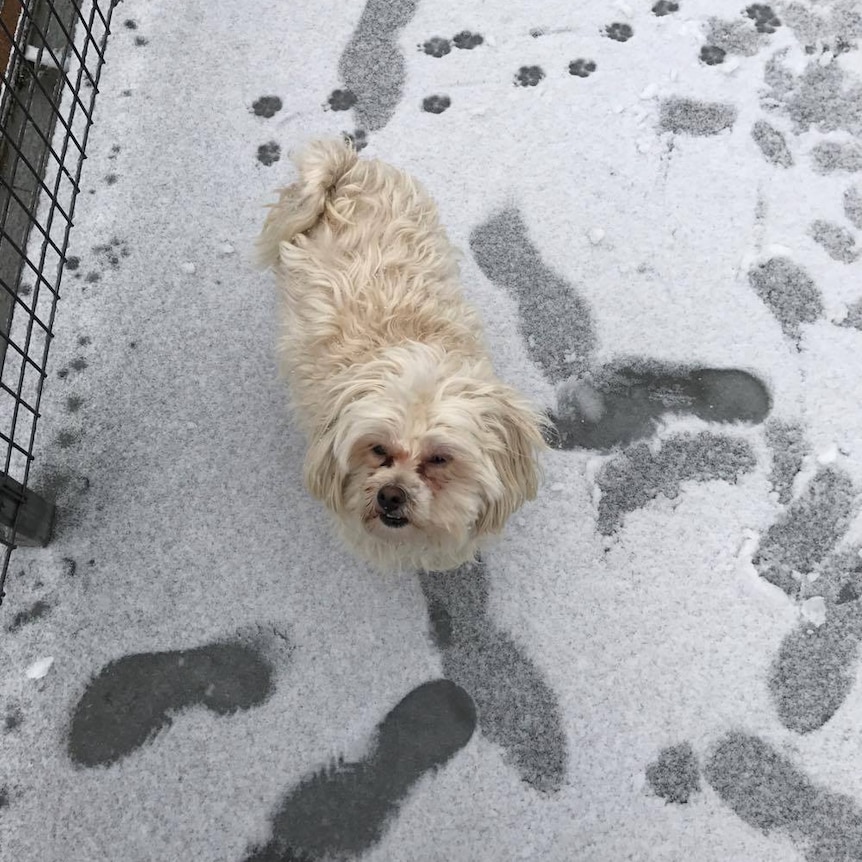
(414,444)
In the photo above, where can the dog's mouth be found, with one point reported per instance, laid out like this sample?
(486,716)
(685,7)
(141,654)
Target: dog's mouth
(393,521)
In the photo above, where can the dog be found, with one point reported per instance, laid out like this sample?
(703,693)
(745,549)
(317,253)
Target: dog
(414,444)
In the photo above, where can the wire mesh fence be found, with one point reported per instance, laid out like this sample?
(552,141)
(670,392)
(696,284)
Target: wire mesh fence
(51,54)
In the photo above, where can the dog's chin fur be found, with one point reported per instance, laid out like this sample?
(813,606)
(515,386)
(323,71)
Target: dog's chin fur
(387,366)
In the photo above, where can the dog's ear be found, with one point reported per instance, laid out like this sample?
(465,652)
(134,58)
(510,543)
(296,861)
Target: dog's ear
(516,441)
(324,476)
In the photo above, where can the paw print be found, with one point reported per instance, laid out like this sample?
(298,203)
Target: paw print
(108,257)
(665,7)
(110,253)
(436,104)
(269,153)
(765,20)
(711,55)
(467,41)
(529,76)
(358,138)
(582,68)
(436,47)
(266,106)
(341,100)
(35,612)
(619,32)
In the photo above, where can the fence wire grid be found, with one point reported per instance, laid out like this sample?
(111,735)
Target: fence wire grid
(51,54)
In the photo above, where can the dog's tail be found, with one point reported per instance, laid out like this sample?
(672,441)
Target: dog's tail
(321,165)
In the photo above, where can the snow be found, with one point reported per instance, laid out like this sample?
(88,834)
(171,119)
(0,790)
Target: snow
(39,668)
(813,610)
(40,57)
(829,455)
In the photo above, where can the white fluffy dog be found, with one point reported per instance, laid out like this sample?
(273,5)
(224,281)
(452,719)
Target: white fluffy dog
(414,444)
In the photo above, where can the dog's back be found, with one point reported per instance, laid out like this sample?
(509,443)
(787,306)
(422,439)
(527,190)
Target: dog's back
(364,267)
(301,205)
(365,202)
(356,239)
(357,207)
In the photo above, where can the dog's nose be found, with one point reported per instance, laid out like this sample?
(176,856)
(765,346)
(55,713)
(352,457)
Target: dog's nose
(391,497)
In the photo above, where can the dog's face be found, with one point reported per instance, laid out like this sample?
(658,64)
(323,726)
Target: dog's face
(419,454)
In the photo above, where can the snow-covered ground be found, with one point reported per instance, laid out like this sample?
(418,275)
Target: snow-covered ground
(658,210)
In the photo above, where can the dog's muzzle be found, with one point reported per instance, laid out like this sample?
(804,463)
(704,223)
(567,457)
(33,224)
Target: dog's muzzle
(391,500)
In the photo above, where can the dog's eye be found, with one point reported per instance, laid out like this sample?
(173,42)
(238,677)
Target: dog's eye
(380,451)
(438,460)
